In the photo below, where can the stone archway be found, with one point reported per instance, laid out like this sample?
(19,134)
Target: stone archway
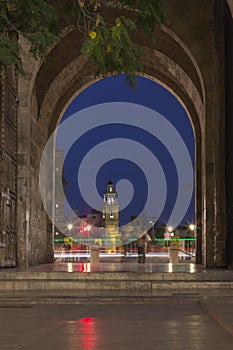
(186,58)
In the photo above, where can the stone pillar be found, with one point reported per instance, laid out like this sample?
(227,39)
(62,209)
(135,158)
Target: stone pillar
(95,254)
(174,252)
(31,218)
(214,202)
(23,178)
(219,130)
(229,133)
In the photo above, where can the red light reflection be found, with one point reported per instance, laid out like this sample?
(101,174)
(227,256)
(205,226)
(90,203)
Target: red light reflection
(86,267)
(87,320)
(89,333)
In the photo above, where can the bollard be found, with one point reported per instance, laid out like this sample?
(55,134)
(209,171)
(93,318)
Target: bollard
(173,253)
(95,254)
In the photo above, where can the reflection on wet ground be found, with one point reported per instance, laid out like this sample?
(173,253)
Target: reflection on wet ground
(170,325)
(86,267)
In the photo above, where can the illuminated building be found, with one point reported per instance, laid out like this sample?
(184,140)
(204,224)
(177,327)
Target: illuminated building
(111,216)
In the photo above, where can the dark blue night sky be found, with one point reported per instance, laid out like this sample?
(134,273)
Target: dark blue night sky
(153,96)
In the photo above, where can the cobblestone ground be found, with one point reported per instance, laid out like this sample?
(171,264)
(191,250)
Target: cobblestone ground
(161,325)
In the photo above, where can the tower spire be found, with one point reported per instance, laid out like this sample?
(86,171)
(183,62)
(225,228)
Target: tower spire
(110,180)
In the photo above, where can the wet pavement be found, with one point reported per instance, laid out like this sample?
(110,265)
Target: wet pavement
(121,319)
(164,325)
(112,267)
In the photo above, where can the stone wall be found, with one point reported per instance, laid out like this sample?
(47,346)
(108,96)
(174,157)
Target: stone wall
(8,167)
(31,218)
(229,134)
(188,58)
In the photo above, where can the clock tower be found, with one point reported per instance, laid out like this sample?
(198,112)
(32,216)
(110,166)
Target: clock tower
(111,216)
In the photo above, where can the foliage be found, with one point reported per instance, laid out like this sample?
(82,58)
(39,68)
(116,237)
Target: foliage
(109,45)
(34,19)
(149,13)
(112,49)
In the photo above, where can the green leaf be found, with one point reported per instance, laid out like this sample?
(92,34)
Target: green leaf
(113,50)
(9,53)
(109,47)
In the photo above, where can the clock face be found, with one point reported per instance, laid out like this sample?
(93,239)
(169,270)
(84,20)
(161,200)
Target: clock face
(110,199)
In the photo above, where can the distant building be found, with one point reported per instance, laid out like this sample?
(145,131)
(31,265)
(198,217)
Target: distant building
(103,225)
(95,218)
(59,195)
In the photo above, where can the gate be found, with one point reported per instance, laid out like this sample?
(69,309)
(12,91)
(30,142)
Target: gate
(8,168)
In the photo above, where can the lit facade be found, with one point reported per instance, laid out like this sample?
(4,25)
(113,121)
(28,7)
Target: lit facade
(111,216)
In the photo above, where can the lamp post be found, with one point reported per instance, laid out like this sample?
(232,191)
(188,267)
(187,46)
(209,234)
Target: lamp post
(152,222)
(70,226)
(88,230)
(192,228)
(168,235)
(170,230)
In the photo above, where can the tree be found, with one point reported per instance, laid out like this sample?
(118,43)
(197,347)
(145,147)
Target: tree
(109,45)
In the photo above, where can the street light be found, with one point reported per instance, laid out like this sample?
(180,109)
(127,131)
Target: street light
(192,228)
(168,235)
(152,222)
(88,230)
(170,229)
(70,226)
